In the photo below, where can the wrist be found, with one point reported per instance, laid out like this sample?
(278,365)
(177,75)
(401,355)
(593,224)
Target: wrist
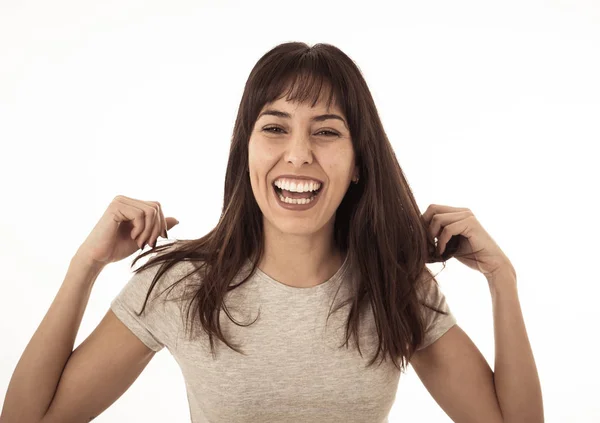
(86,265)
(503,282)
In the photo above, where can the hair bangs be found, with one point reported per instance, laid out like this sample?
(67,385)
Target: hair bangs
(309,81)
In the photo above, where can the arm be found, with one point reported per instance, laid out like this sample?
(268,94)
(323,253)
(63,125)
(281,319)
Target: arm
(460,380)
(516,378)
(52,383)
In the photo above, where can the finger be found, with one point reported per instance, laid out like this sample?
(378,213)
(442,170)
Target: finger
(162,231)
(454,228)
(127,209)
(434,209)
(171,221)
(160,223)
(150,213)
(163,221)
(153,231)
(439,221)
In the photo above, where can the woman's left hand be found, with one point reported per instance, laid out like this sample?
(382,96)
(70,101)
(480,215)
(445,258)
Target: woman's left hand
(443,222)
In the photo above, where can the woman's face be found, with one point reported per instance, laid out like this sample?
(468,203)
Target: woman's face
(296,140)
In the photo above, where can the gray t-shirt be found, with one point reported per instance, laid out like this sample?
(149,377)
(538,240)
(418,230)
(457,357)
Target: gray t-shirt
(293,370)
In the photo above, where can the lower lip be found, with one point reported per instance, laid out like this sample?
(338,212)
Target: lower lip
(297,207)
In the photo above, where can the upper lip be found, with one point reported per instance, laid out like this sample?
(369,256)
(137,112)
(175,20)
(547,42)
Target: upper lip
(298,177)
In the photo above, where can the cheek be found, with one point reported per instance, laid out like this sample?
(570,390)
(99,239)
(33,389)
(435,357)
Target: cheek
(259,165)
(260,154)
(338,165)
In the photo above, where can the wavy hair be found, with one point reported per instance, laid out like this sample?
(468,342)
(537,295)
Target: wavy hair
(379,212)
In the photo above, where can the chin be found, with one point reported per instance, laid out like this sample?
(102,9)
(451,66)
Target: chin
(293,228)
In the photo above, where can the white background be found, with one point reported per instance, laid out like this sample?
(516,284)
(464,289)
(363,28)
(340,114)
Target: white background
(492,106)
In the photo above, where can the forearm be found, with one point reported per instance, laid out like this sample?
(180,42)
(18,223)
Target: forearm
(36,376)
(515,374)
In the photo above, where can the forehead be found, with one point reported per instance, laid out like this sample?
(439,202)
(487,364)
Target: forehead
(296,107)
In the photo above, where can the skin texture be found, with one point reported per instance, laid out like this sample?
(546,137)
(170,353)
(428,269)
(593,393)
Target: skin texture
(299,248)
(54,383)
(458,377)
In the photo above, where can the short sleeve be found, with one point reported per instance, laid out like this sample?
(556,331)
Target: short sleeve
(157,326)
(436,324)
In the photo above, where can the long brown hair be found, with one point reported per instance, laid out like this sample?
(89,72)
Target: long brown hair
(378,223)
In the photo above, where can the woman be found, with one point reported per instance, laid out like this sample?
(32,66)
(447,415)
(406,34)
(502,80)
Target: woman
(320,240)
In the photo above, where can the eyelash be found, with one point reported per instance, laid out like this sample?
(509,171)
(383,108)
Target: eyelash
(324,130)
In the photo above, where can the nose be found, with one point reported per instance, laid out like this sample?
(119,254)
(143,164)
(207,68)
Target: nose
(299,151)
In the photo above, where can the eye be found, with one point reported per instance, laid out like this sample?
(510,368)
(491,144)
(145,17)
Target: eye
(272,127)
(334,134)
(330,133)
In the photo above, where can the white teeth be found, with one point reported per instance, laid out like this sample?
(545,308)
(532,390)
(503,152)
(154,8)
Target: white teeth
(296,200)
(289,185)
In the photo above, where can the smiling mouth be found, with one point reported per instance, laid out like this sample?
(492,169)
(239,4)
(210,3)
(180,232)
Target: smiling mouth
(297,195)
(293,194)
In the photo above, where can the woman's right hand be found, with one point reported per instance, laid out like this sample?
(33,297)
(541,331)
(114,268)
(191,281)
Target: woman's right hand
(126,225)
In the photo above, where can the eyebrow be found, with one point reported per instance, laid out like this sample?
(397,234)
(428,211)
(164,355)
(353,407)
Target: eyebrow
(285,115)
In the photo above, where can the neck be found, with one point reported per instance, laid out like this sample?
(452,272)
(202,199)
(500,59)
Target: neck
(301,261)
